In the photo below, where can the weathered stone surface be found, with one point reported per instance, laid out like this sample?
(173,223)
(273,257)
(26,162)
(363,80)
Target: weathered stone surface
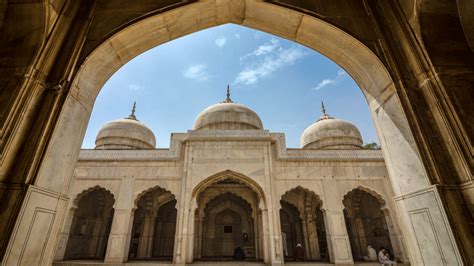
(412,62)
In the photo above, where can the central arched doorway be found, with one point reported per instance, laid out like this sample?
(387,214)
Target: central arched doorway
(228,221)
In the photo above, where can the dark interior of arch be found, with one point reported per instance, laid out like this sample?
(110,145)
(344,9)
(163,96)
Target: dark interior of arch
(91,226)
(302,221)
(228,224)
(366,224)
(154,227)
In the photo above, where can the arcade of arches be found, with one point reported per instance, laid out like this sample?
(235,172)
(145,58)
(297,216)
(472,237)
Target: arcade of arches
(413,60)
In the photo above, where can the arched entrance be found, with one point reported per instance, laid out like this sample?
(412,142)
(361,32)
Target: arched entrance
(403,160)
(228,218)
(90,225)
(302,222)
(366,223)
(154,226)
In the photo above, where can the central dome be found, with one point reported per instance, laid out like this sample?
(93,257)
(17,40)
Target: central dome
(228,115)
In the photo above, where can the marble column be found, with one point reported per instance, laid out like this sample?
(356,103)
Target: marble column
(337,233)
(119,237)
(312,237)
(146,236)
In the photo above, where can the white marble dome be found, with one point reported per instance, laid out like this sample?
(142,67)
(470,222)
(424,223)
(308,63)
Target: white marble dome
(123,134)
(331,133)
(228,115)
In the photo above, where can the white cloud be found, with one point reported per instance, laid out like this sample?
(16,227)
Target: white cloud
(265,60)
(197,72)
(221,41)
(327,82)
(237,36)
(134,87)
(263,49)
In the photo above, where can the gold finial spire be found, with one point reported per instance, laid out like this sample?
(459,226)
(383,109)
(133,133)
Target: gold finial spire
(132,115)
(323,110)
(228,99)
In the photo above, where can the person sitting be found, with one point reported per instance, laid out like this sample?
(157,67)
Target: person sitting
(239,254)
(384,259)
(299,252)
(371,254)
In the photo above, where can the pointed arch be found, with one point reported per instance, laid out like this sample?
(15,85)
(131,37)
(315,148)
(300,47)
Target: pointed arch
(307,191)
(228,174)
(85,192)
(150,189)
(370,191)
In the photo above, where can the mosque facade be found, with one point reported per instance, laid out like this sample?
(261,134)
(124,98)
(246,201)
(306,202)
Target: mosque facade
(229,184)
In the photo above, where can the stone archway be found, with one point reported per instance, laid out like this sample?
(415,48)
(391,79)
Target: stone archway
(303,222)
(227,217)
(404,164)
(366,223)
(154,226)
(90,225)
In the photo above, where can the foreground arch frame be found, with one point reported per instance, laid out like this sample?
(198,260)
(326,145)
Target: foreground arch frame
(419,207)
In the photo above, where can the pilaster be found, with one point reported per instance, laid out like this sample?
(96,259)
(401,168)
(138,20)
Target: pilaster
(119,238)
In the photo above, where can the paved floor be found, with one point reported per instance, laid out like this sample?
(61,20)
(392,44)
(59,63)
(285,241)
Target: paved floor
(203,263)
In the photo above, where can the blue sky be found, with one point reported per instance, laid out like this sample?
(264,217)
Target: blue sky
(282,81)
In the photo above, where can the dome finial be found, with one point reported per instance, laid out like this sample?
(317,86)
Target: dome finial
(323,110)
(132,115)
(228,99)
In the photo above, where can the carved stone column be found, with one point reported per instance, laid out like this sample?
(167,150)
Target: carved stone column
(337,233)
(119,237)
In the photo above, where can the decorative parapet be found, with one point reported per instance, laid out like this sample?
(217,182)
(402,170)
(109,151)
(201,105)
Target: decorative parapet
(283,153)
(177,140)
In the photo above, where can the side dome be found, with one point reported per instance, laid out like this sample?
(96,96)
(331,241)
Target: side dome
(228,115)
(331,133)
(124,134)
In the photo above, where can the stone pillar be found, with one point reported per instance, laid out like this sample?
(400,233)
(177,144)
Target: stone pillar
(119,237)
(337,233)
(255,232)
(312,237)
(146,236)
(422,214)
(266,238)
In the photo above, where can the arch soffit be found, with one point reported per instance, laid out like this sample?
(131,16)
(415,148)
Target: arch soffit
(85,192)
(307,192)
(151,189)
(358,60)
(245,196)
(234,176)
(369,191)
(211,201)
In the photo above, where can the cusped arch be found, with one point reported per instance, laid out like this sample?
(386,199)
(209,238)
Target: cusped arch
(307,191)
(228,174)
(210,201)
(151,189)
(369,191)
(85,192)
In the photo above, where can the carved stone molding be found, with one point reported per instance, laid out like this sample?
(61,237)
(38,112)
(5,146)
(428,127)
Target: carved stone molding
(178,140)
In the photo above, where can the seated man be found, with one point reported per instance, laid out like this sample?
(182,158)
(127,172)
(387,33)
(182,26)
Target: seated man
(371,254)
(384,258)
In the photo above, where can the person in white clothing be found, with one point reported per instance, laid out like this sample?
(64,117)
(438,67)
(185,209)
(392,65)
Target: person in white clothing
(384,259)
(371,253)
